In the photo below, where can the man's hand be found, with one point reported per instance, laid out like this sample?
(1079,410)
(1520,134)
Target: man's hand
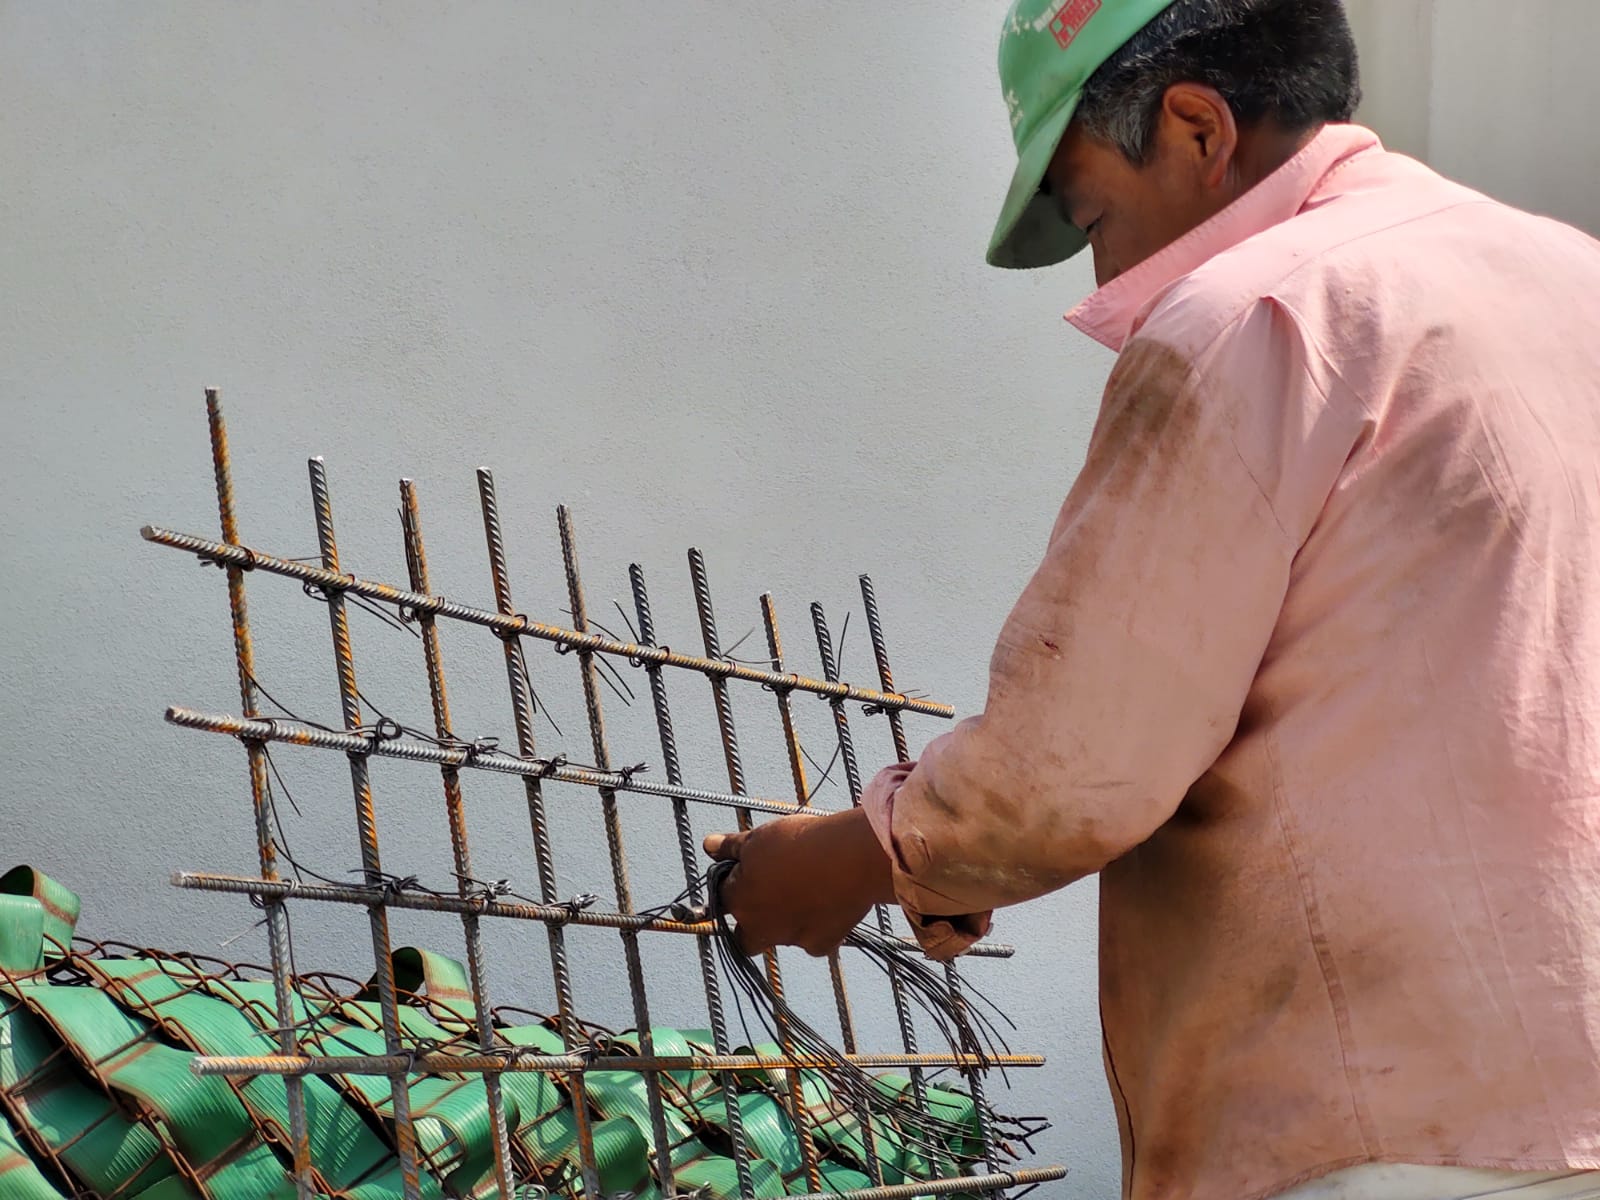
(802,881)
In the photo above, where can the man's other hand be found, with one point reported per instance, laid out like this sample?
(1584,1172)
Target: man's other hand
(802,881)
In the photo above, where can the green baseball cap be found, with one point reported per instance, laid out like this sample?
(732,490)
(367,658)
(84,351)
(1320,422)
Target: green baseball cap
(1048,51)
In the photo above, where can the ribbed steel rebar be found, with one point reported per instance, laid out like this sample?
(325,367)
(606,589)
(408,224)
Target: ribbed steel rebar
(880,914)
(563,913)
(943,1187)
(440,1063)
(480,1052)
(367,836)
(456,818)
(799,1113)
(250,559)
(612,821)
(277,921)
(689,854)
(298,733)
(880,654)
(802,794)
(544,859)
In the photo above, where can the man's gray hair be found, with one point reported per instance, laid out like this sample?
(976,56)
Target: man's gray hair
(1292,62)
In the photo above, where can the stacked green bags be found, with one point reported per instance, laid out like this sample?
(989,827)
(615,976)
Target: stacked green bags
(98,1096)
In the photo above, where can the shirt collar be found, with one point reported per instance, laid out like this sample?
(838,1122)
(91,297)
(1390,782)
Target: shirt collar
(1112,313)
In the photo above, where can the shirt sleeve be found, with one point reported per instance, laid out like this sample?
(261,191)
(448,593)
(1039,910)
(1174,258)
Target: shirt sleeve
(1119,676)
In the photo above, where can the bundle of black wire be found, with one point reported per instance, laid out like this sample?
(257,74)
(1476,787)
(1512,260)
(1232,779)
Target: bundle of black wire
(967,1030)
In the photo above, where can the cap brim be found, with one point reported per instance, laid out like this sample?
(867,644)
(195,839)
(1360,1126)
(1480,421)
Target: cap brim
(1032,231)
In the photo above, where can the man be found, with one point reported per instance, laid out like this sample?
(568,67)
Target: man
(1310,672)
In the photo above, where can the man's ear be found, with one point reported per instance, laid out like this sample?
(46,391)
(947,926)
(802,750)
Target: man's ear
(1197,123)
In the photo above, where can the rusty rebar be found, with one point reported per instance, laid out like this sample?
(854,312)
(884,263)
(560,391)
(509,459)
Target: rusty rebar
(440,1063)
(425,900)
(456,818)
(516,624)
(880,914)
(688,853)
(275,917)
(479,1052)
(544,859)
(367,834)
(992,1182)
(802,792)
(897,733)
(612,821)
(299,733)
(736,783)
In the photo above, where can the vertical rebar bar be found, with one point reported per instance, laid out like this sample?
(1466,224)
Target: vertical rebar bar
(276,917)
(367,832)
(736,784)
(689,853)
(455,812)
(852,775)
(612,820)
(522,711)
(880,653)
(802,794)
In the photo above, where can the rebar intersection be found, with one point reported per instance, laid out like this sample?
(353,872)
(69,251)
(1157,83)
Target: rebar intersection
(596,653)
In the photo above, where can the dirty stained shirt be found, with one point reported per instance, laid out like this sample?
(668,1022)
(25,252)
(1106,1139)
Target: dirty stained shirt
(1310,674)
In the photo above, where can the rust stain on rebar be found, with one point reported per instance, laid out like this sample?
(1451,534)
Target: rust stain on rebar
(798,1111)
(797,772)
(897,733)
(614,848)
(688,854)
(440,1063)
(456,817)
(367,833)
(522,714)
(508,621)
(419,606)
(244,661)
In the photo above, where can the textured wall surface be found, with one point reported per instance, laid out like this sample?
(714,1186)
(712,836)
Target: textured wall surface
(709,272)
(1498,95)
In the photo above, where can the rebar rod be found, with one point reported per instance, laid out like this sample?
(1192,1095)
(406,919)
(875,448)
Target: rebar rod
(562,913)
(880,654)
(478,1051)
(802,793)
(276,919)
(688,853)
(612,820)
(799,1114)
(439,1063)
(299,733)
(512,623)
(522,713)
(943,1187)
(880,913)
(367,834)
(456,818)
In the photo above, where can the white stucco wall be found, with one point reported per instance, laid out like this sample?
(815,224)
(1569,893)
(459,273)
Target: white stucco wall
(1498,95)
(709,272)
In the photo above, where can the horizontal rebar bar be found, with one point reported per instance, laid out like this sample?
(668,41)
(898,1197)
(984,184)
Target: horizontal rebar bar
(557,914)
(246,558)
(437,1063)
(296,733)
(944,1187)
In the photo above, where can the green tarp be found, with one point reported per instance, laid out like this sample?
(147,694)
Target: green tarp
(98,1096)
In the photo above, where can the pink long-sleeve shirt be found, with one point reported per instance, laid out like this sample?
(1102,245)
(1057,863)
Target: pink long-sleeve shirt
(1310,674)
